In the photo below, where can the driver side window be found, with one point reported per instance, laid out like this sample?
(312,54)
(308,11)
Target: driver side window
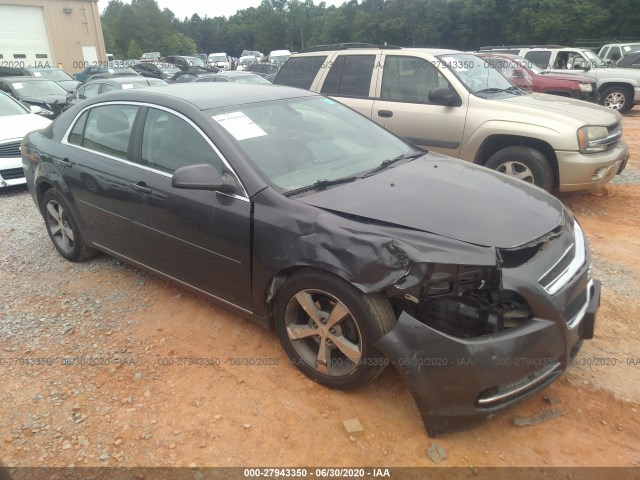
(410,79)
(169,142)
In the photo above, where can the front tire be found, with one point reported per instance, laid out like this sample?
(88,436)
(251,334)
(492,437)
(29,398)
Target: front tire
(617,98)
(327,327)
(524,163)
(63,229)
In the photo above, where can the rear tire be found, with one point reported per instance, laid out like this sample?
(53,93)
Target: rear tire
(524,163)
(63,229)
(327,327)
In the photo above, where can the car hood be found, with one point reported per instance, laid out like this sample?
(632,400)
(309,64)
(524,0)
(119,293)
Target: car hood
(450,198)
(580,110)
(17,126)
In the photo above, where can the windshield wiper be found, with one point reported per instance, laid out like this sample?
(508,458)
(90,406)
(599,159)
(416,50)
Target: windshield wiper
(497,90)
(321,185)
(386,163)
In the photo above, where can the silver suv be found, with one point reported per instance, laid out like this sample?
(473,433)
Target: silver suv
(456,104)
(619,88)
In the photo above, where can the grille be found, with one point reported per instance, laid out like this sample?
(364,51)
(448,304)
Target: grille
(12,173)
(559,267)
(10,150)
(615,132)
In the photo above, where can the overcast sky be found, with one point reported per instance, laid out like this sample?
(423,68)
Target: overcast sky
(211,8)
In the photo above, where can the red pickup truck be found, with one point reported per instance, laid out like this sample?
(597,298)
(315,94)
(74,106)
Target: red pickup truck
(525,74)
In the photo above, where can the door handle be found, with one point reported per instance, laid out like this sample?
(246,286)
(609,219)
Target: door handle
(385,113)
(65,162)
(140,187)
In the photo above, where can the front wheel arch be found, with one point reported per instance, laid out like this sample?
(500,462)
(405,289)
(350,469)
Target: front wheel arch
(494,143)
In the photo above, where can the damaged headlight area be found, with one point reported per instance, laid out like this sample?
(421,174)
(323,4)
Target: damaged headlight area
(466,301)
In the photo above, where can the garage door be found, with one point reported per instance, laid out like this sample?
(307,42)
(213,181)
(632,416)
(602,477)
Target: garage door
(23,37)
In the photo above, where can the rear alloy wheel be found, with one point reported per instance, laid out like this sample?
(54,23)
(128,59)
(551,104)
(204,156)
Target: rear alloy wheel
(62,228)
(327,327)
(523,163)
(616,98)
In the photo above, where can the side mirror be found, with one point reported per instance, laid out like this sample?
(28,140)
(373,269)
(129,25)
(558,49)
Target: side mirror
(518,73)
(35,109)
(442,96)
(581,66)
(203,177)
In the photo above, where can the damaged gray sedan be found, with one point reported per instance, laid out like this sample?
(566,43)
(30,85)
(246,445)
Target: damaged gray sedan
(356,247)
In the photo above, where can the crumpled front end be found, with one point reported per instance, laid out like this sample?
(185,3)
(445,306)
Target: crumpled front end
(468,349)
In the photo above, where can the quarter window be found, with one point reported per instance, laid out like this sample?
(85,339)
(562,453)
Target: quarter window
(75,137)
(410,79)
(108,129)
(350,75)
(169,142)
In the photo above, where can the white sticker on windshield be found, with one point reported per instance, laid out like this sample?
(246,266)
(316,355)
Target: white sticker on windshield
(239,125)
(111,71)
(37,74)
(127,85)
(18,86)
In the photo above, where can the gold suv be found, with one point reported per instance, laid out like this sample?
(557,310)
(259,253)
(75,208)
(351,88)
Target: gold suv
(456,104)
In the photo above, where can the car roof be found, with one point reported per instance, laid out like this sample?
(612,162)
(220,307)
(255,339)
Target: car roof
(208,95)
(25,79)
(390,51)
(117,79)
(42,69)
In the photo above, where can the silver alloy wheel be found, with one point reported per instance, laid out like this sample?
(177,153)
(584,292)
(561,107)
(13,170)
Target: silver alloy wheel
(615,100)
(58,224)
(323,332)
(516,169)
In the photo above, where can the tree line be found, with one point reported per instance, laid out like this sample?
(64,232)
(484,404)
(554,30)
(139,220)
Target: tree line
(130,29)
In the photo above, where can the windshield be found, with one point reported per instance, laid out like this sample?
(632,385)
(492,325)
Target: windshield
(9,106)
(195,62)
(476,74)
(37,88)
(279,59)
(218,58)
(295,143)
(52,74)
(594,60)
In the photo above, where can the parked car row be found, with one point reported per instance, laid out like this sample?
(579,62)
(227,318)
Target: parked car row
(619,88)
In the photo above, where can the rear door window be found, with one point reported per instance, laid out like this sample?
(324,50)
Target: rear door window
(108,129)
(300,72)
(350,76)
(539,58)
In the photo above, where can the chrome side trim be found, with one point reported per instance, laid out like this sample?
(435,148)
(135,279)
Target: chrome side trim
(173,279)
(575,265)
(540,377)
